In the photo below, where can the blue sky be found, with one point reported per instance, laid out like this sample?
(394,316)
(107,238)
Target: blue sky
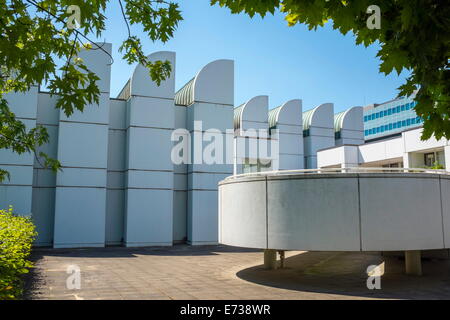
(270,57)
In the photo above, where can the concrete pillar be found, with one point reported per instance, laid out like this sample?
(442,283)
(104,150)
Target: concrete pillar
(413,262)
(447,157)
(80,197)
(18,190)
(270,259)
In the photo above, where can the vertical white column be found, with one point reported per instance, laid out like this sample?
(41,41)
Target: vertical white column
(18,190)
(80,203)
(447,157)
(213,106)
(319,124)
(149,168)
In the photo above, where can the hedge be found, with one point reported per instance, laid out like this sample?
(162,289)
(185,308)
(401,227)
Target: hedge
(17,233)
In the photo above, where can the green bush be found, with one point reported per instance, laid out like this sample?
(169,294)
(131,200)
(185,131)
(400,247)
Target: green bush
(16,236)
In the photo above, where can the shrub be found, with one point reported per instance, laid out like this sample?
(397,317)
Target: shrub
(16,236)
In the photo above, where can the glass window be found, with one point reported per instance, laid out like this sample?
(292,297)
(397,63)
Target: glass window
(385,113)
(394,125)
(403,123)
(408,106)
(390,126)
(402,107)
(377,115)
(408,122)
(389,112)
(429,159)
(365,118)
(399,124)
(413,120)
(397,109)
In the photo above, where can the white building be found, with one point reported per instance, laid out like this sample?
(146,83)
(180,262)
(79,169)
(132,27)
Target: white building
(119,183)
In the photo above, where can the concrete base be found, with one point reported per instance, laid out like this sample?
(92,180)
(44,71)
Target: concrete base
(413,263)
(270,259)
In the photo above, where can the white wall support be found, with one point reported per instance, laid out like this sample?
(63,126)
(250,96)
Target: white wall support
(270,259)
(18,191)
(212,97)
(149,176)
(80,205)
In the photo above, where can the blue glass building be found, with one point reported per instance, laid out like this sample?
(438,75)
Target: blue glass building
(390,117)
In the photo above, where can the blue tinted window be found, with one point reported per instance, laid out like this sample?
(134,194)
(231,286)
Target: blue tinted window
(385,113)
(413,120)
(389,112)
(402,107)
(390,126)
(377,115)
(408,106)
(365,118)
(394,125)
(403,123)
(399,124)
(397,109)
(408,122)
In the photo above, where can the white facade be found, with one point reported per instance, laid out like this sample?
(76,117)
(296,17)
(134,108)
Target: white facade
(406,150)
(118,183)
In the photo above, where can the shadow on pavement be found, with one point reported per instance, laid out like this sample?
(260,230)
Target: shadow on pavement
(344,273)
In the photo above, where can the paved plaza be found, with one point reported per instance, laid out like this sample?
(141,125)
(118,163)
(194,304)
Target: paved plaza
(221,272)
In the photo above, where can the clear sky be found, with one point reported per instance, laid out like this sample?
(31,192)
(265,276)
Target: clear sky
(270,57)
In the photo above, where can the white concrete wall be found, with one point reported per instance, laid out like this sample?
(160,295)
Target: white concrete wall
(80,204)
(336,212)
(149,169)
(352,131)
(290,135)
(213,105)
(408,148)
(321,133)
(18,190)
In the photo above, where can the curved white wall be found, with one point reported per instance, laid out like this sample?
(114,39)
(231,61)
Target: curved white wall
(336,212)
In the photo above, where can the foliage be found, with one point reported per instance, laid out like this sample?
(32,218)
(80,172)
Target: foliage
(16,236)
(414,36)
(34,36)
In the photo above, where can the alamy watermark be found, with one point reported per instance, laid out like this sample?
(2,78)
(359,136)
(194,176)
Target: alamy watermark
(73,281)
(374,272)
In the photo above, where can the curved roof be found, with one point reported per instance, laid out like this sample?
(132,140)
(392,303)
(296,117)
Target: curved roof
(273,116)
(307,118)
(339,120)
(238,116)
(185,96)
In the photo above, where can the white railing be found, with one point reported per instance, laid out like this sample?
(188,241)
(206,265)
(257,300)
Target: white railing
(341,170)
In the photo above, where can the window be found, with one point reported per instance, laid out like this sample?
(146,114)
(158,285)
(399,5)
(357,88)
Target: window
(429,159)
(390,126)
(413,120)
(403,123)
(394,125)
(402,107)
(389,112)
(408,106)
(399,124)
(408,122)
(366,132)
(398,109)
(377,115)
(365,118)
